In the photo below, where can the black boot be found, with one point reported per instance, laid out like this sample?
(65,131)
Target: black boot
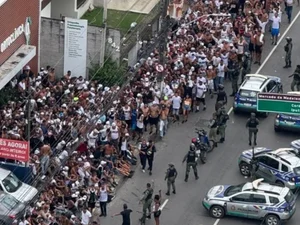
(255,143)
(186,178)
(168,193)
(222,140)
(196,176)
(290,64)
(174,192)
(250,143)
(216,144)
(286,66)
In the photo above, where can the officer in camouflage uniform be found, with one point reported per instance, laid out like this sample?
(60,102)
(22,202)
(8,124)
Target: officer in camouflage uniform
(288,52)
(235,73)
(147,201)
(252,124)
(296,79)
(171,175)
(246,68)
(222,118)
(190,159)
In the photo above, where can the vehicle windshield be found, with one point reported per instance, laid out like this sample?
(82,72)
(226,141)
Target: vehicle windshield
(248,93)
(289,197)
(233,189)
(297,170)
(8,201)
(11,183)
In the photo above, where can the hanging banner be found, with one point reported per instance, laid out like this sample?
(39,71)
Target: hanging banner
(75,51)
(15,150)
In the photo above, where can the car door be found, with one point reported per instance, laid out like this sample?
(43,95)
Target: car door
(272,87)
(267,168)
(238,205)
(256,206)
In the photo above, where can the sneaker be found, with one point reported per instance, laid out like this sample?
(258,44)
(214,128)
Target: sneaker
(143,171)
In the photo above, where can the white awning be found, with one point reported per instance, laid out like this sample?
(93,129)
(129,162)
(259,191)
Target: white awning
(16,63)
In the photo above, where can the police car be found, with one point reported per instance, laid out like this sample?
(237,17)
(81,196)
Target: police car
(281,166)
(287,122)
(253,200)
(245,100)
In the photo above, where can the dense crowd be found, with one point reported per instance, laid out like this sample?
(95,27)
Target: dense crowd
(68,112)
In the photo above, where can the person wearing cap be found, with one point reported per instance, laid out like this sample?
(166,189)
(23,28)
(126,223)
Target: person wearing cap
(171,175)
(288,52)
(296,79)
(252,125)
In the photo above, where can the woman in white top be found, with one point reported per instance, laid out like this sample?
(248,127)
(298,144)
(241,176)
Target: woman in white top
(103,198)
(221,69)
(140,124)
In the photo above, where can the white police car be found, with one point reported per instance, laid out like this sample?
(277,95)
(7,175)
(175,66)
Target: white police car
(246,98)
(281,166)
(253,200)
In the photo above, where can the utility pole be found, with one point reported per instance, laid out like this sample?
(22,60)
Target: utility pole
(103,47)
(28,118)
(163,39)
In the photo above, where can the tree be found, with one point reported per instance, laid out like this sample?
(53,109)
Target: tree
(110,74)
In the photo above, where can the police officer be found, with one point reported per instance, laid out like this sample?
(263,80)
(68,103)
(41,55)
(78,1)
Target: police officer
(222,118)
(235,73)
(190,159)
(252,124)
(150,155)
(246,68)
(171,175)
(213,129)
(296,79)
(147,201)
(221,97)
(288,52)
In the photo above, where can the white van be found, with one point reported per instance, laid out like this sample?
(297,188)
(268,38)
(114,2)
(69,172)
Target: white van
(11,185)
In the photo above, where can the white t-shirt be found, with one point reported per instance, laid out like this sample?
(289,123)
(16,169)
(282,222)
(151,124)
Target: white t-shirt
(114,133)
(176,102)
(103,195)
(85,217)
(127,113)
(276,22)
(201,89)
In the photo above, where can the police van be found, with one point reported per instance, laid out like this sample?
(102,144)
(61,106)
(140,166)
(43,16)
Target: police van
(246,98)
(281,166)
(288,122)
(253,200)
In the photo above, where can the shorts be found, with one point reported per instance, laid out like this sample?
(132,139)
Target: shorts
(176,112)
(201,100)
(139,130)
(187,107)
(153,121)
(275,32)
(210,84)
(128,123)
(258,48)
(251,47)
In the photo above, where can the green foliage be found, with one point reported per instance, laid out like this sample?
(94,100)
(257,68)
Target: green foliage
(110,74)
(8,94)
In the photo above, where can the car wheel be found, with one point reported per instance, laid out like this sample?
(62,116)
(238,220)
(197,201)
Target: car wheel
(245,169)
(272,220)
(279,183)
(217,211)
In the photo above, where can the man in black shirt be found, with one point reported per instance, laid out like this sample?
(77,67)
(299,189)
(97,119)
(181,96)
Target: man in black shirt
(125,214)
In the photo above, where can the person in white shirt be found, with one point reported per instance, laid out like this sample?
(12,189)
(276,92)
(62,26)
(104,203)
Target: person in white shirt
(200,95)
(275,28)
(176,103)
(85,216)
(289,9)
(103,198)
(114,135)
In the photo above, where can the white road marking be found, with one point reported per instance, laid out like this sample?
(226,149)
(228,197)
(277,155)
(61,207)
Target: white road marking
(272,51)
(217,221)
(164,204)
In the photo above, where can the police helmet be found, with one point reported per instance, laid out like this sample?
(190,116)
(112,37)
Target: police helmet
(194,140)
(253,114)
(288,39)
(221,86)
(192,147)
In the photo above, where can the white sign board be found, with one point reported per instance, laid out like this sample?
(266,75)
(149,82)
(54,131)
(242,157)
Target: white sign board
(75,46)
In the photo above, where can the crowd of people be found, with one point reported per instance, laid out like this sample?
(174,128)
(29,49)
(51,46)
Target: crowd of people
(210,44)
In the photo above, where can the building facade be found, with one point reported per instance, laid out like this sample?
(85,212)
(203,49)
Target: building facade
(19,37)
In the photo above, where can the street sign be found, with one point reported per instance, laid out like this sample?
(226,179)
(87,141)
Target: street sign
(278,103)
(159,68)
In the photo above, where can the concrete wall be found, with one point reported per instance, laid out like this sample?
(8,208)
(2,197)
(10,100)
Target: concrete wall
(99,3)
(113,50)
(85,7)
(52,44)
(46,12)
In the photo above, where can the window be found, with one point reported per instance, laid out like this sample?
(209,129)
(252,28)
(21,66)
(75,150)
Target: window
(241,198)
(8,201)
(269,162)
(284,168)
(273,200)
(11,183)
(271,85)
(79,3)
(258,198)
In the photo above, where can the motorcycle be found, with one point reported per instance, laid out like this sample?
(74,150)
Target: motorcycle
(201,152)
(202,136)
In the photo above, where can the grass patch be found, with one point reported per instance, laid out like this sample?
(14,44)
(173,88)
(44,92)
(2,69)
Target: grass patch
(115,19)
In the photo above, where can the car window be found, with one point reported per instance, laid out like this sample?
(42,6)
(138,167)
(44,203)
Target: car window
(273,200)
(258,198)
(11,183)
(269,162)
(8,201)
(271,85)
(241,198)
(284,168)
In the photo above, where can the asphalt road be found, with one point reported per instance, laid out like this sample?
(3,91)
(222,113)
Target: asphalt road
(185,207)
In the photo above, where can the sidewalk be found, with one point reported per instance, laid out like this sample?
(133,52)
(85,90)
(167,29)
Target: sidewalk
(137,6)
